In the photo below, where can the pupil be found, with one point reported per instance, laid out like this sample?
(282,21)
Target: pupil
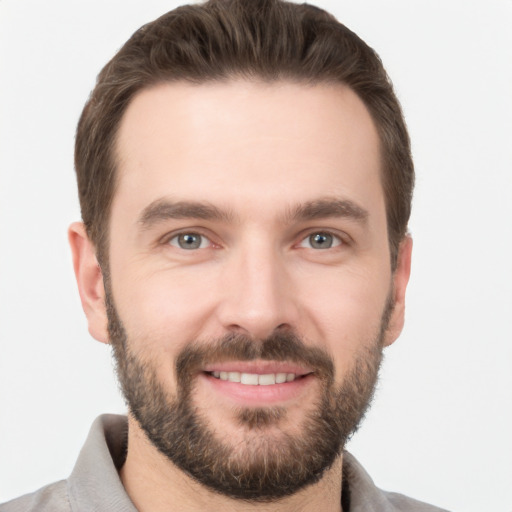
(190,241)
(321,240)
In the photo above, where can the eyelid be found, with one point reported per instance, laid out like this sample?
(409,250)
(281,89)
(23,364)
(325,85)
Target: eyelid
(342,238)
(204,242)
(166,239)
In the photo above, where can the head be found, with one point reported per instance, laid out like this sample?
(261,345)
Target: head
(224,40)
(245,181)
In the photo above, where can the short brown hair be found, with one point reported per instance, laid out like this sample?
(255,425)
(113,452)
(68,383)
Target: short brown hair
(225,39)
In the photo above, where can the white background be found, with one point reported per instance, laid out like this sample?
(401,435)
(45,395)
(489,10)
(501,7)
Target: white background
(441,427)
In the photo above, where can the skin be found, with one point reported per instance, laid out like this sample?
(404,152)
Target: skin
(256,152)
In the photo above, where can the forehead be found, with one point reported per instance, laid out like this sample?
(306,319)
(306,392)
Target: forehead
(246,141)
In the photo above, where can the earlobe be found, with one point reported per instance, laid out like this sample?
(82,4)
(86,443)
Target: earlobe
(400,281)
(90,281)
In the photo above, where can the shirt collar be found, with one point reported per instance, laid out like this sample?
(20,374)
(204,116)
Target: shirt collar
(94,483)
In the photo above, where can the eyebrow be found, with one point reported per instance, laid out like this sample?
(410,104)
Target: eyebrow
(328,207)
(164,209)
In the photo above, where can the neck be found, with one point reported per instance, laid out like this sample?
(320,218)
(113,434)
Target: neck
(155,484)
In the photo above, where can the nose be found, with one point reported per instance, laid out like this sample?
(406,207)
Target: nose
(258,296)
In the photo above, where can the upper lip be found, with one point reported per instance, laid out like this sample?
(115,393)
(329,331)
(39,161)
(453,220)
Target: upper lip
(258,367)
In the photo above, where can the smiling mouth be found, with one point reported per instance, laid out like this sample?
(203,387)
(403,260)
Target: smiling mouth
(256,379)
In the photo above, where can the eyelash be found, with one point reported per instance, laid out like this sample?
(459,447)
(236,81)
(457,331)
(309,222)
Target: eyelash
(336,240)
(176,237)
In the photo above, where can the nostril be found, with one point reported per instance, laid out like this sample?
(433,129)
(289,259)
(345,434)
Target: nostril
(236,328)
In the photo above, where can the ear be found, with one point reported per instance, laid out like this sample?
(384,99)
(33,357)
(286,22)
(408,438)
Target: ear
(90,281)
(400,280)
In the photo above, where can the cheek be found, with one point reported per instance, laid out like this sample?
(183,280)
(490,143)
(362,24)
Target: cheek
(160,316)
(165,308)
(345,312)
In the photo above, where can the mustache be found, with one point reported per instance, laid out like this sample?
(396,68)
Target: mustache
(279,346)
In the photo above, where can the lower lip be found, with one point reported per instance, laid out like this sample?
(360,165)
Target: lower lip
(247,395)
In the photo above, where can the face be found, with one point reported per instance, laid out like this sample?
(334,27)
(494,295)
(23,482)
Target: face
(250,289)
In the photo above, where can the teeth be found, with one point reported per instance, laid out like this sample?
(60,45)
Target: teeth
(234,376)
(249,378)
(267,380)
(254,379)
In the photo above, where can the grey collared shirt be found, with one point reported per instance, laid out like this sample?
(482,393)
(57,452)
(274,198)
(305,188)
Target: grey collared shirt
(94,484)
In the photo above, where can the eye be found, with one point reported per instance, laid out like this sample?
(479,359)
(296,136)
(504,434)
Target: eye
(321,240)
(189,241)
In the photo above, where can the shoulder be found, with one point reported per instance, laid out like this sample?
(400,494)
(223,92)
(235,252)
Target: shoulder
(360,494)
(51,498)
(401,503)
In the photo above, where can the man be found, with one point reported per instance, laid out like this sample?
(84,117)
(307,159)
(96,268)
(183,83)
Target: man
(245,180)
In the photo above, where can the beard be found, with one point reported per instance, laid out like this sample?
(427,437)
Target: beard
(266,466)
